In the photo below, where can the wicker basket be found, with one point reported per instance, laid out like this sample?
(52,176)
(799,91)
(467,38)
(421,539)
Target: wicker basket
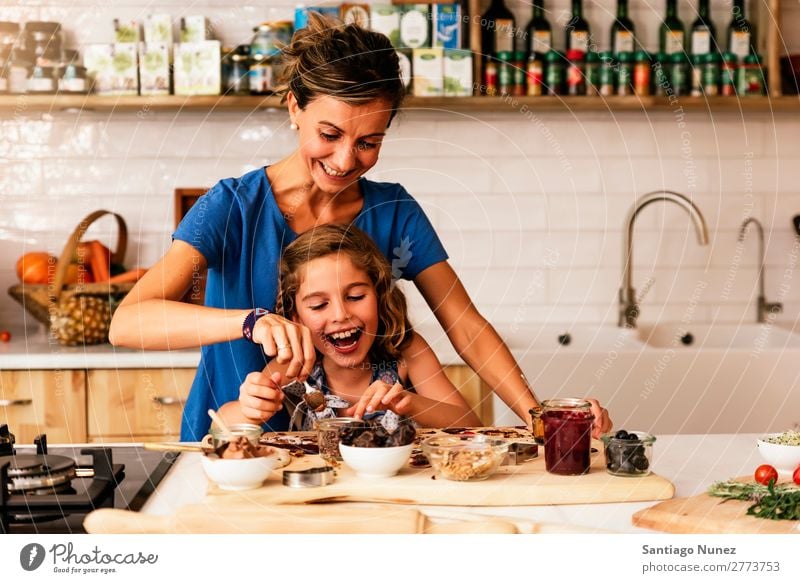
(76,314)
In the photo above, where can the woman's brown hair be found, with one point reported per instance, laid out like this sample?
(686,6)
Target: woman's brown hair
(394,329)
(344,61)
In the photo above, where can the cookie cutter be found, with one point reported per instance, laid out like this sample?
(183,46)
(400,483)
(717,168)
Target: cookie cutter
(519,452)
(310,478)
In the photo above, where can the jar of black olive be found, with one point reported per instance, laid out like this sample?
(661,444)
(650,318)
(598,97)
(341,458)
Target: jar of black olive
(72,78)
(43,80)
(236,71)
(43,39)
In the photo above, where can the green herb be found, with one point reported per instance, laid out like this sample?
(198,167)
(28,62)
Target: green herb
(774,502)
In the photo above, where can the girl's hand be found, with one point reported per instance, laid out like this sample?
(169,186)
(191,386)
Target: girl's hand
(289,342)
(260,396)
(602,422)
(380,396)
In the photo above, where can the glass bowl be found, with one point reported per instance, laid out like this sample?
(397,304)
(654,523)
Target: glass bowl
(251,431)
(465,458)
(629,457)
(329,431)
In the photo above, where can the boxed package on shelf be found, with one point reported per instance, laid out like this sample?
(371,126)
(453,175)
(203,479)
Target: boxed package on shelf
(385,18)
(126,32)
(355,14)
(457,73)
(447,26)
(197,68)
(158,29)
(195,29)
(154,61)
(112,68)
(415,30)
(428,71)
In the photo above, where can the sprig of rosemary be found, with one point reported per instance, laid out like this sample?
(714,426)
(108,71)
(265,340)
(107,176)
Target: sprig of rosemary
(780,502)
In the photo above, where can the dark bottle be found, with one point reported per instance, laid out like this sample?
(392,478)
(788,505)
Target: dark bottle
(741,33)
(577,29)
(539,33)
(498,27)
(703,31)
(622,33)
(671,38)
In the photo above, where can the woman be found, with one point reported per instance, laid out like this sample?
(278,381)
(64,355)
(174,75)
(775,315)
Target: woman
(343,90)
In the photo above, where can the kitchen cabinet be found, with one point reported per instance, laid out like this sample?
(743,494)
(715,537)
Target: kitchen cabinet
(136,404)
(44,401)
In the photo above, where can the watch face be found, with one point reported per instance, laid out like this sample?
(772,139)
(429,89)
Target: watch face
(261,312)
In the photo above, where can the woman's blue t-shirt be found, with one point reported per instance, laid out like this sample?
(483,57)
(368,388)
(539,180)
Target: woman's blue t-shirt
(241,232)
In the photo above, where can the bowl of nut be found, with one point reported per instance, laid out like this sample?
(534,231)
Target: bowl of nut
(465,458)
(240,465)
(372,451)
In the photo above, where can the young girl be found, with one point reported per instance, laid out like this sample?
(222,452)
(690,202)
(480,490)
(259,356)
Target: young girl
(335,282)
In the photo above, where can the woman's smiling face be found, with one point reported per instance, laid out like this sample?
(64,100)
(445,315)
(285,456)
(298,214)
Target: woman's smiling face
(337,301)
(339,142)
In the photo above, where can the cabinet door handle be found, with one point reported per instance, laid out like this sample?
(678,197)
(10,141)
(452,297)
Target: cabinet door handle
(169,400)
(15,402)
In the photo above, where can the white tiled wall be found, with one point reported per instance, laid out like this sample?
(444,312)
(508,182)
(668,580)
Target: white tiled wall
(531,208)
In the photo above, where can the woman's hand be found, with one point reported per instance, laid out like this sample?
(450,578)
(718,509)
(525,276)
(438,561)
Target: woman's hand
(602,422)
(288,342)
(380,396)
(260,396)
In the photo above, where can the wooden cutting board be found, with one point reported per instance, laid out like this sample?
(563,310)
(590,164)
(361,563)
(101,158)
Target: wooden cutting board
(522,485)
(704,514)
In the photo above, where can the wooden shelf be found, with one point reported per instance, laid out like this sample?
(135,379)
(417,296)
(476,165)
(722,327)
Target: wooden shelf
(24,104)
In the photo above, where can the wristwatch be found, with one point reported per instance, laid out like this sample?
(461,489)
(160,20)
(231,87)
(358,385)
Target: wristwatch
(250,322)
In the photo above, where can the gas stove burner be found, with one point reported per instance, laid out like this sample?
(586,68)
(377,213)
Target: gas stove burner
(39,474)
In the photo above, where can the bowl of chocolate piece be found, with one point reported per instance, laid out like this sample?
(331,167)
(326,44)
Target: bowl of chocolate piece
(239,465)
(372,451)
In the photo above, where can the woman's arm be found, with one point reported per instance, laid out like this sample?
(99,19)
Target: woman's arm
(475,340)
(152,317)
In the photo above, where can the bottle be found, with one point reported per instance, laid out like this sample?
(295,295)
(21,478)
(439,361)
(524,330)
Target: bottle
(672,33)
(539,33)
(703,31)
(741,33)
(622,33)
(576,73)
(577,29)
(497,26)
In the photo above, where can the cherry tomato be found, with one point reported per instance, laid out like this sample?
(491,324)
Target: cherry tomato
(796,476)
(5,336)
(766,473)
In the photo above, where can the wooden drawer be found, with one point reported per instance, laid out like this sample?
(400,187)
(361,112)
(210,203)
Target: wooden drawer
(474,391)
(44,401)
(135,403)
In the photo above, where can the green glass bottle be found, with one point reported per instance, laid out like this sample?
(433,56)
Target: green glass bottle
(622,31)
(671,38)
(577,29)
(703,31)
(741,33)
(539,32)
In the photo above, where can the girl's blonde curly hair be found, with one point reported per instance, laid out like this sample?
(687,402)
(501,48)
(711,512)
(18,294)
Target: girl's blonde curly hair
(394,329)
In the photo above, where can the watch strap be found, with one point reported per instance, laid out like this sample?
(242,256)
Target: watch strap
(250,322)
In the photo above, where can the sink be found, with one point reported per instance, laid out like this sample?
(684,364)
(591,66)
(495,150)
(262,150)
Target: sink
(720,336)
(569,338)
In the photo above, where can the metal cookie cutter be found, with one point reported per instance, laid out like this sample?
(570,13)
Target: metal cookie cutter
(520,451)
(310,478)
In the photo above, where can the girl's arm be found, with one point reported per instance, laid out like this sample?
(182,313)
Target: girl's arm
(152,317)
(479,344)
(436,403)
(260,397)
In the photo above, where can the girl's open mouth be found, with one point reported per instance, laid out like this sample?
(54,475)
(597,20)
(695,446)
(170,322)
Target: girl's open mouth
(344,342)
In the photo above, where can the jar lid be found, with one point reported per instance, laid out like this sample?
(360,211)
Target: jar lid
(41,26)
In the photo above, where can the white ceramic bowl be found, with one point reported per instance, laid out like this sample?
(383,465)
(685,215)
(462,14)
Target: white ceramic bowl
(375,462)
(785,458)
(239,474)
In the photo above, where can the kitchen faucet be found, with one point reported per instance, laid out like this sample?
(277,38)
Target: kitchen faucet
(628,307)
(764,307)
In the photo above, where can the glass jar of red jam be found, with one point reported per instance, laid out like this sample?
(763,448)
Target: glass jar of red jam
(567,435)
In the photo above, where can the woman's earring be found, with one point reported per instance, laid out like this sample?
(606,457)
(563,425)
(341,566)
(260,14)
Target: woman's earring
(293,126)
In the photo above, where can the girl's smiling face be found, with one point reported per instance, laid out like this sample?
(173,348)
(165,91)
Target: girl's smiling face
(337,301)
(339,142)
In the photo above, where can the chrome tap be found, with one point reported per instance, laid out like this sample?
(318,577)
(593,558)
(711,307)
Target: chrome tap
(628,307)
(764,307)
